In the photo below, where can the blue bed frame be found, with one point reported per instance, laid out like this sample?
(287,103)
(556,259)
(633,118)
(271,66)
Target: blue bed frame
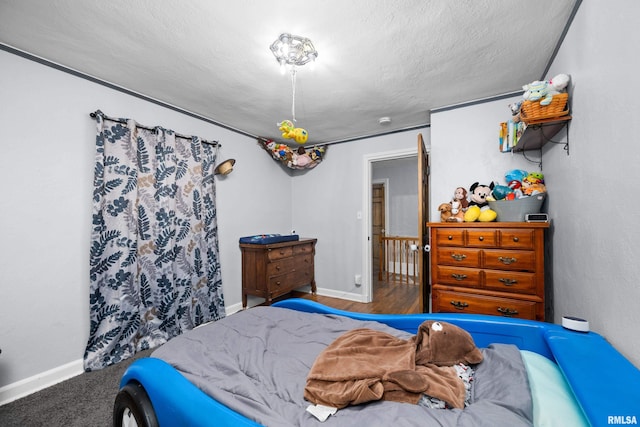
(606,385)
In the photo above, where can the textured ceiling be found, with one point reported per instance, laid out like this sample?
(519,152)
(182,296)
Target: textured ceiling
(376,58)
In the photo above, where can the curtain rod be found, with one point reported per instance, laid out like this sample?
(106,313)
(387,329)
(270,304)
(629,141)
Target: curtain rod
(94,114)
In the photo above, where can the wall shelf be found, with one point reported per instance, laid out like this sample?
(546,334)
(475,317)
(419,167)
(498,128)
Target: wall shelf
(536,135)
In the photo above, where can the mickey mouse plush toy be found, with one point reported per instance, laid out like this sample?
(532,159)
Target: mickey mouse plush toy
(479,209)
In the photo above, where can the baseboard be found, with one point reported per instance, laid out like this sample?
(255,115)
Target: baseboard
(349,296)
(40,381)
(229,310)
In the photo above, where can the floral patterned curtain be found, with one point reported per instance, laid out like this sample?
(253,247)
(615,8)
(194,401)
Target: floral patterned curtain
(154,269)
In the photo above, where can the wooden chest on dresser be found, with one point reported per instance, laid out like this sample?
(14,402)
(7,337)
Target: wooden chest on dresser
(488,268)
(272,270)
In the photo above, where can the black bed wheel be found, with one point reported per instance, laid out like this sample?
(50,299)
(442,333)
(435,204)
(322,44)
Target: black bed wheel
(133,408)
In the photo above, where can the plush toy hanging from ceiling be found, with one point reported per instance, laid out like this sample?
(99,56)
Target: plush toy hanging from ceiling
(289,131)
(287,127)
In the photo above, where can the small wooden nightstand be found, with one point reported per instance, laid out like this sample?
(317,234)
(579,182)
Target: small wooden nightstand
(272,270)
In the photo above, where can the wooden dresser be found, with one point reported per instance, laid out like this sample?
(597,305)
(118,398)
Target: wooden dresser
(488,268)
(272,270)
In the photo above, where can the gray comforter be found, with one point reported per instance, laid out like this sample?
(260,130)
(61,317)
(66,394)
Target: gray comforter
(256,362)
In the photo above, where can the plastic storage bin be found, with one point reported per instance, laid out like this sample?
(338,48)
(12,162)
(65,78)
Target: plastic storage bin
(515,210)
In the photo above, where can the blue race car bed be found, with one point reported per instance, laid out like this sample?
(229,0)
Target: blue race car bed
(250,368)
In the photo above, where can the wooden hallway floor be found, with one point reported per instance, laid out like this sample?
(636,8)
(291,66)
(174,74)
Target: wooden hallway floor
(387,298)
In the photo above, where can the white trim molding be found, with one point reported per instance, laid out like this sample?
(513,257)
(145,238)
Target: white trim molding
(40,381)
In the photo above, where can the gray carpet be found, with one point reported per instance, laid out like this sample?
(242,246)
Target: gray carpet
(82,401)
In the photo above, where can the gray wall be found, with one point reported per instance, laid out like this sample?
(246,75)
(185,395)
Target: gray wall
(596,241)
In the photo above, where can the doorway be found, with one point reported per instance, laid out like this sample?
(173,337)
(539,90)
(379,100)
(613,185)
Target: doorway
(372,213)
(376,211)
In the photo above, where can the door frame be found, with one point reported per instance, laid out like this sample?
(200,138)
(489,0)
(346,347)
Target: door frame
(367,252)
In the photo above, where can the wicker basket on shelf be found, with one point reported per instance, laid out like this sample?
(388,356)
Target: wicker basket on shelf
(532,111)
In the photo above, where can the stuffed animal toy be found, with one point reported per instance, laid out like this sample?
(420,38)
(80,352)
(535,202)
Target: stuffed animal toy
(501,192)
(445,344)
(533,184)
(301,158)
(289,131)
(515,175)
(445,212)
(478,206)
(457,213)
(451,212)
(316,153)
(479,194)
(560,82)
(516,190)
(543,91)
(515,111)
(461,195)
(300,135)
(535,177)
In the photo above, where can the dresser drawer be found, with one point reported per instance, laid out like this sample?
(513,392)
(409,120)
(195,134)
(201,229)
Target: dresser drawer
(457,276)
(286,265)
(279,253)
(482,238)
(517,239)
(279,267)
(303,249)
(302,276)
(510,281)
(510,260)
(458,256)
(302,261)
(453,302)
(450,237)
(291,280)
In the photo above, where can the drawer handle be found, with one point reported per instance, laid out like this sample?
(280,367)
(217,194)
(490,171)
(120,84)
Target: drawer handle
(515,239)
(458,257)
(459,305)
(459,277)
(507,261)
(481,238)
(450,237)
(507,282)
(507,312)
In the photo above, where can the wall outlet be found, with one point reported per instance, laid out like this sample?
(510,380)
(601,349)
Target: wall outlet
(358,279)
